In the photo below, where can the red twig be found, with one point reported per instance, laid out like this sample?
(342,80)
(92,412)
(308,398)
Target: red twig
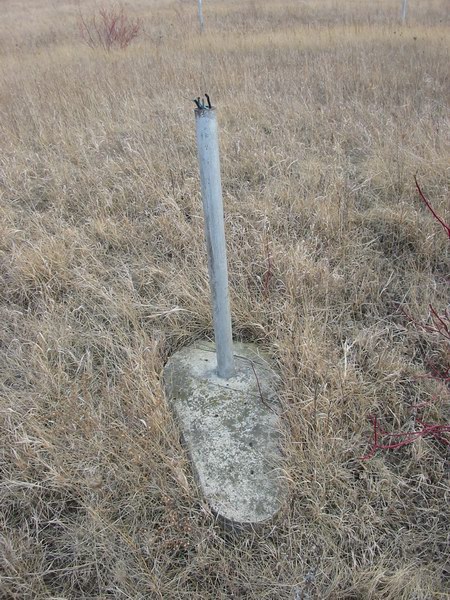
(428,429)
(440,326)
(110,28)
(431,209)
(443,376)
(440,323)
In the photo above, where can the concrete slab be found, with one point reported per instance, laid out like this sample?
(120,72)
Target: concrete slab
(232,430)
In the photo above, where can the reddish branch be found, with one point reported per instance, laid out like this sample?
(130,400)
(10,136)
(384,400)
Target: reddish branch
(443,376)
(441,322)
(440,326)
(110,28)
(431,209)
(399,439)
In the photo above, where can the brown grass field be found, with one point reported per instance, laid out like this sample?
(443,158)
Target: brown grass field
(327,110)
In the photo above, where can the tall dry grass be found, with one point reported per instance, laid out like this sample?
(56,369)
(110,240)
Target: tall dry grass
(327,110)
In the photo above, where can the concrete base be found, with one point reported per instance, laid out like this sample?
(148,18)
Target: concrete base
(231,428)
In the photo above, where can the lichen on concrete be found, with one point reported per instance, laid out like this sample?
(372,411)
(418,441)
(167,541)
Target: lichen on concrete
(231,429)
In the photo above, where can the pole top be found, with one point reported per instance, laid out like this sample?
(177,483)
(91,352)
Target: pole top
(203,105)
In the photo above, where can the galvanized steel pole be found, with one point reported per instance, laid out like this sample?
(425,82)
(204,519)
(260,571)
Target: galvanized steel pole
(208,157)
(404,11)
(200,15)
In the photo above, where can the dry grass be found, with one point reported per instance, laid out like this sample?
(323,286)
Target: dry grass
(327,110)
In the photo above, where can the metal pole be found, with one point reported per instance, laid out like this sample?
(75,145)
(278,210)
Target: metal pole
(200,15)
(208,157)
(404,11)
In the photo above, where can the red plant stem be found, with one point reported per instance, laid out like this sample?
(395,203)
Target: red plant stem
(441,324)
(428,429)
(431,209)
